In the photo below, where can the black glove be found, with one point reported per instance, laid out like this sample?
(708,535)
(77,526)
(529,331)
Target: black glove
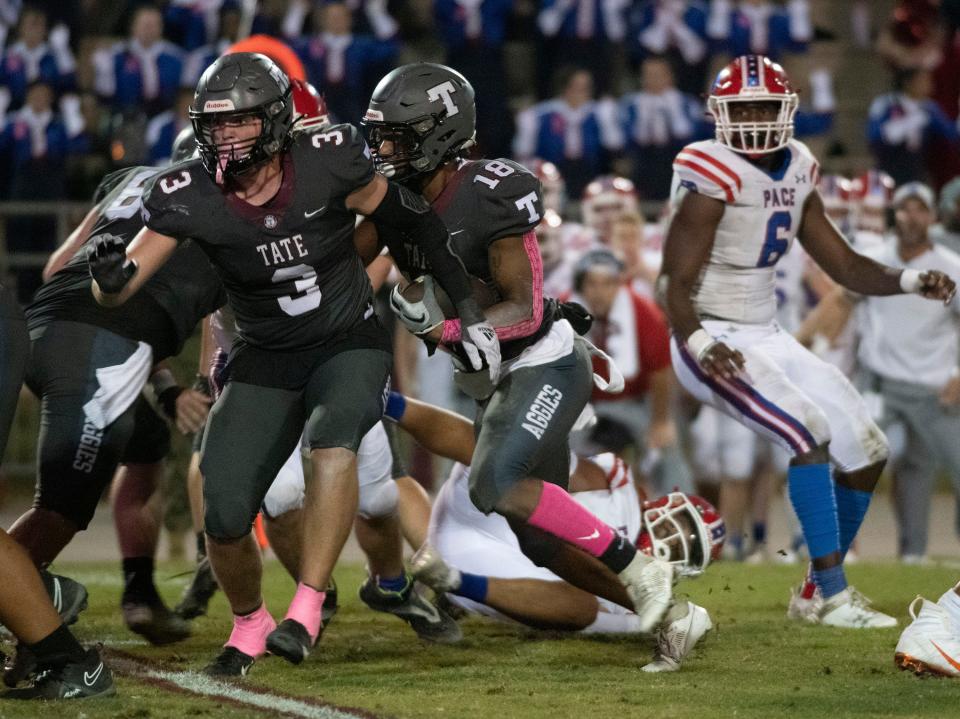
(202,384)
(168,401)
(576,314)
(108,263)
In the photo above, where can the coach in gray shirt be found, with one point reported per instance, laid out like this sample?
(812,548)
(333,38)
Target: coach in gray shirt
(909,352)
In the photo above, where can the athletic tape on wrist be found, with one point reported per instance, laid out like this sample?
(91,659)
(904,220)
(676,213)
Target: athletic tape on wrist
(910,281)
(699,342)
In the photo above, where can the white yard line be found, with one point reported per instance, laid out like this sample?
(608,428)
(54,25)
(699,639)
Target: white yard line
(201,685)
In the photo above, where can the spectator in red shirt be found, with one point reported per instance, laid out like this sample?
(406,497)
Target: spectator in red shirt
(633,332)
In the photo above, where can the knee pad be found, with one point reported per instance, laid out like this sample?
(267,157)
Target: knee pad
(378,499)
(286,492)
(817,424)
(227,518)
(490,479)
(538,546)
(875,445)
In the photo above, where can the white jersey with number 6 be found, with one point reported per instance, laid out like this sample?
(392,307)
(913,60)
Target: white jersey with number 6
(761,218)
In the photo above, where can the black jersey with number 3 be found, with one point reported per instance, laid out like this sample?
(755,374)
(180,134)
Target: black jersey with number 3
(165,312)
(289,266)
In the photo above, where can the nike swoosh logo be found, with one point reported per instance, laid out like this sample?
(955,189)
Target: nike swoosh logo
(457,232)
(315,212)
(90,678)
(953,662)
(595,535)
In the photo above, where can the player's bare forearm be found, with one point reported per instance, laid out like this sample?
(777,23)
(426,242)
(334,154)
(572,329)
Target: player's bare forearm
(519,313)
(443,433)
(824,243)
(74,242)
(147,252)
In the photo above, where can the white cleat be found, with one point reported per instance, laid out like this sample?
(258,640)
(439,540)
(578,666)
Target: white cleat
(649,582)
(805,610)
(677,638)
(928,645)
(851,610)
(427,566)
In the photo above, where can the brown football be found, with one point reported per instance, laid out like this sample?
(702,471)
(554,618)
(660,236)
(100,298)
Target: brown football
(486,294)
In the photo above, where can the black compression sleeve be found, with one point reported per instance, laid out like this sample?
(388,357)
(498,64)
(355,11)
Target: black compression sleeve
(411,214)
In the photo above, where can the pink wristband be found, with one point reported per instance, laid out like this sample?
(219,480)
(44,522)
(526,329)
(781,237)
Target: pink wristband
(451,332)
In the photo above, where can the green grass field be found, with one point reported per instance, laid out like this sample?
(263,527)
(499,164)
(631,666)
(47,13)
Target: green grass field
(754,664)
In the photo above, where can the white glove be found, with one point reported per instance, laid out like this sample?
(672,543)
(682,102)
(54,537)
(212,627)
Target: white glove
(422,316)
(482,348)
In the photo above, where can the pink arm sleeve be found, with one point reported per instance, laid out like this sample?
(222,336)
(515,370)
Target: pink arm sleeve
(452,331)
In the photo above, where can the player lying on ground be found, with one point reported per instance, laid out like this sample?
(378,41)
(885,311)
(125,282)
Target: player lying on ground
(275,213)
(738,202)
(421,121)
(476,558)
(66,669)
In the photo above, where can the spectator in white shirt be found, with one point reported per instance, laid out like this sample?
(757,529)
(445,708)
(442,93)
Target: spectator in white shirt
(910,352)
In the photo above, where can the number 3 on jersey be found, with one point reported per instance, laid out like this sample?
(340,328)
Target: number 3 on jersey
(307,293)
(777,240)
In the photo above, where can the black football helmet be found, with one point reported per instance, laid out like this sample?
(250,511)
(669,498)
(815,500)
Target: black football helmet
(237,85)
(427,111)
(184,145)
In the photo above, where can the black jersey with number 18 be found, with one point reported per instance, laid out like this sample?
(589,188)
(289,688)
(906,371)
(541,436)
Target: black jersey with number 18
(484,201)
(290,267)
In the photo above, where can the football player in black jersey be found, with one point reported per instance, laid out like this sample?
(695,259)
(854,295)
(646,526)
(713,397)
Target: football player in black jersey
(420,122)
(25,606)
(275,213)
(88,366)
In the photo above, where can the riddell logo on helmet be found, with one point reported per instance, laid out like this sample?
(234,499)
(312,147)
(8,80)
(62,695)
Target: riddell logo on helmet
(218,105)
(375,115)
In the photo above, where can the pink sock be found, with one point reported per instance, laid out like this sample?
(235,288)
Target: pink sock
(306,608)
(558,514)
(250,632)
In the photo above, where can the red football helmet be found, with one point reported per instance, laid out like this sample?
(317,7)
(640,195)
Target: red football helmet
(871,196)
(554,188)
(605,199)
(753,78)
(836,191)
(682,529)
(309,108)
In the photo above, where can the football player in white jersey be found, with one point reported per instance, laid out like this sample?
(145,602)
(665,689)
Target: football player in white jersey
(738,202)
(475,558)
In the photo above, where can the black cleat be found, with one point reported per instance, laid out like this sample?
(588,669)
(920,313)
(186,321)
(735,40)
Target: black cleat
(230,662)
(83,679)
(330,605)
(430,623)
(68,595)
(290,640)
(153,621)
(198,593)
(19,667)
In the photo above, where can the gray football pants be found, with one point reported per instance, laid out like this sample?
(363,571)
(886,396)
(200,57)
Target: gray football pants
(931,439)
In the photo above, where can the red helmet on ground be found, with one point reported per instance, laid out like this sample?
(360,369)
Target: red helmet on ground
(309,107)
(753,79)
(683,529)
